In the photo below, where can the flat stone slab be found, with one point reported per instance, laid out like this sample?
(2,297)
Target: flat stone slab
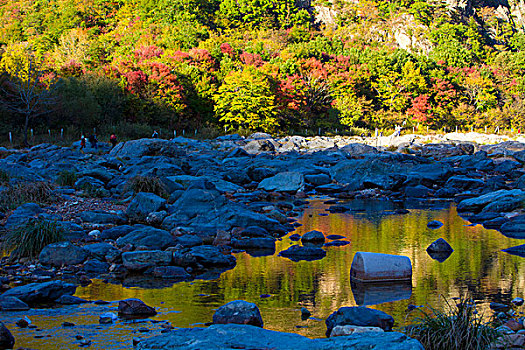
(232,336)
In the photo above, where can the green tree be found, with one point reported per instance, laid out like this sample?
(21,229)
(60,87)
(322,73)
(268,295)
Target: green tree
(246,100)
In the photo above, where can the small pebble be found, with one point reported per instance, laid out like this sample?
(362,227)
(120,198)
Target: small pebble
(68,324)
(85,342)
(143,330)
(78,337)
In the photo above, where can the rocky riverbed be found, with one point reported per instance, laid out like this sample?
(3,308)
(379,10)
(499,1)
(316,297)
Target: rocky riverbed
(232,194)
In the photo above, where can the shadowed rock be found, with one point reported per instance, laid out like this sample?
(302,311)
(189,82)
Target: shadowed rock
(239,312)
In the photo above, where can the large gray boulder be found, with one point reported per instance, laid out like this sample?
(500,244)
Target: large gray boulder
(149,237)
(515,228)
(146,147)
(8,303)
(235,336)
(62,253)
(238,312)
(36,293)
(143,259)
(476,204)
(143,204)
(283,182)
(359,316)
(385,171)
(464,183)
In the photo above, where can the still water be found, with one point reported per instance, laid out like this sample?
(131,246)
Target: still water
(477,266)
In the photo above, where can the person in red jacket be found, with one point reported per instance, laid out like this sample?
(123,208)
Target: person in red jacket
(113,140)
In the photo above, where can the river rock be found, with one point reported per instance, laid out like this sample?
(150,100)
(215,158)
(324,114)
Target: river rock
(308,253)
(8,303)
(464,183)
(22,215)
(146,147)
(515,228)
(313,237)
(498,307)
(144,204)
(517,301)
(283,182)
(70,300)
(35,293)
(7,341)
(338,331)
(101,217)
(379,171)
(476,204)
(135,307)
(96,267)
(354,150)
(149,237)
(140,260)
(62,253)
(116,232)
(258,146)
(238,312)
(439,245)
(208,256)
(434,224)
(102,251)
(359,316)
(234,336)
(171,272)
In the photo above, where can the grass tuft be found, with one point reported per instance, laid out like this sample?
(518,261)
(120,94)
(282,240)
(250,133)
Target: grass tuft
(67,178)
(27,241)
(458,327)
(26,192)
(151,184)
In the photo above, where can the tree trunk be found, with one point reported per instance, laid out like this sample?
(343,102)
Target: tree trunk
(26,125)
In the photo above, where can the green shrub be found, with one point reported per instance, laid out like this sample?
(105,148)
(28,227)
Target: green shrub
(459,326)
(26,192)
(151,184)
(67,178)
(29,240)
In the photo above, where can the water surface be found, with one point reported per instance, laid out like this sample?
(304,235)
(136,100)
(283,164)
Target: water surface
(477,266)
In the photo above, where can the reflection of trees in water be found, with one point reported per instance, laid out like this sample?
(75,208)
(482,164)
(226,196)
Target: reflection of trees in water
(476,265)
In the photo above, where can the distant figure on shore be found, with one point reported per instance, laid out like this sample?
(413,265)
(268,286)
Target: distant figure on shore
(82,142)
(113,140)
(155,134)
(93,141)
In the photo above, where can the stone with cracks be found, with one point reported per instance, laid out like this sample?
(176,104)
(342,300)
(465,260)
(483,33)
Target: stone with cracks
(238,312)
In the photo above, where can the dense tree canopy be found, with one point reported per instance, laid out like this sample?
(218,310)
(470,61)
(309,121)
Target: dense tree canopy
(266,64)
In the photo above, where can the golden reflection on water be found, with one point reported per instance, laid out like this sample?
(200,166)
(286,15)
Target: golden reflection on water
(477,266)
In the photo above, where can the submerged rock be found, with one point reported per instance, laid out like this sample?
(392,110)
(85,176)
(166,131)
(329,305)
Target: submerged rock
(308,253)
(238,312)
(135,307)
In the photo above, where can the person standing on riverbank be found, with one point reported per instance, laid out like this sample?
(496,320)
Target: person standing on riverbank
(113,140)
